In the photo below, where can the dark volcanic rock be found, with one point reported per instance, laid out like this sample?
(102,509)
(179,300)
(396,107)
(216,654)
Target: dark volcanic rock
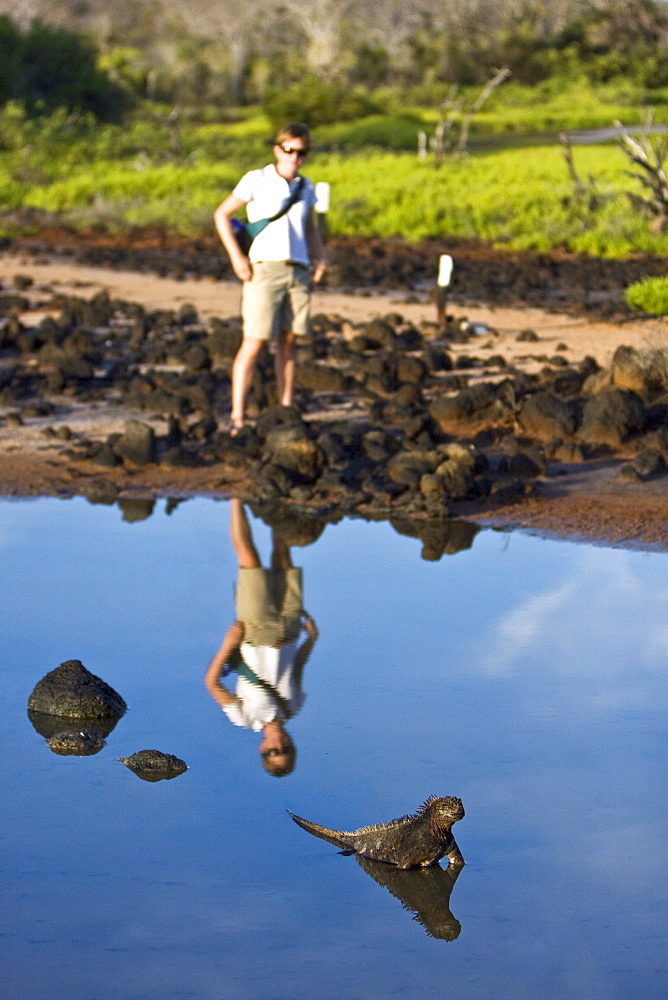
(410,369)
(380,333)
(545,416)
(456,471)
(76,742)
(407,468)
(105,458)
(528,461)
(611,418)
(482,402)
(137,443)
(278,416)
(136,509)
(50,725)
(435,494)
(223,340)
(399,406)
(153,765)
(649,464)
(71,690)
(294,529)
(291,448)
(630,371)
(100,491)
(320,378)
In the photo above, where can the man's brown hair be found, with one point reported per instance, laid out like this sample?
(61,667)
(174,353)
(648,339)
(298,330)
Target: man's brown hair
(295,131)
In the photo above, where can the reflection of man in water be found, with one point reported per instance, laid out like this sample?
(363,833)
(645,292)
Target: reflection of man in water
(262,646)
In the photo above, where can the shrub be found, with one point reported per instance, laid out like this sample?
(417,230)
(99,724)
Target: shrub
(649,295)
(317,103)
(47,67)
(386,131)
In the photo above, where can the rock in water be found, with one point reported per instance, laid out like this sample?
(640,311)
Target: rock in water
(72,691)
(153,765)
(415,841)
(76,742)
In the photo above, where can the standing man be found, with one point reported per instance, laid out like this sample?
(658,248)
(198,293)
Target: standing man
(276,273)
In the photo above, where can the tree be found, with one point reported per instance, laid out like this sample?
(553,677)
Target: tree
(231,29)
(10,41)
(322,23)
(648,156)
(47,68)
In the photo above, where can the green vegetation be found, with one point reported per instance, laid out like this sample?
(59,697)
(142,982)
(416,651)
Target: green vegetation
(116,177)
(45,68)
(97,129)
(649,295)
(317,102)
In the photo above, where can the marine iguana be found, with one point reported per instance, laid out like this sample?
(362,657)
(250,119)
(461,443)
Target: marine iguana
(415,841)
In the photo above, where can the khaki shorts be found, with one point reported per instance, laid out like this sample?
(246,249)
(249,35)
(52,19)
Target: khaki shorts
(269,604)
(277,298)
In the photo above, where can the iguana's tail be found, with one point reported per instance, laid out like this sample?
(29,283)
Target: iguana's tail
(338,837)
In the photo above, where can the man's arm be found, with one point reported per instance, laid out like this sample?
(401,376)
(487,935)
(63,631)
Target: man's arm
(316,248)
(221,217)
(212,683)
(304,650)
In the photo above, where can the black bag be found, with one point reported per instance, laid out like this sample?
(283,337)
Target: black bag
(241,235)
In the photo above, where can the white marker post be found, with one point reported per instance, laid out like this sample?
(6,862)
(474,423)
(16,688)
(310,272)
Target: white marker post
(322,192)
(445,265)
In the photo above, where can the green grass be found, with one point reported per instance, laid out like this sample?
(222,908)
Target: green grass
(147,172)
(520,198)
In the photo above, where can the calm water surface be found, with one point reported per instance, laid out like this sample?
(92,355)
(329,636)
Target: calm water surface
(526,676)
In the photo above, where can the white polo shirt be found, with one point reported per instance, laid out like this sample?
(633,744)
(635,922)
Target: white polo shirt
(253,706)
(265,192)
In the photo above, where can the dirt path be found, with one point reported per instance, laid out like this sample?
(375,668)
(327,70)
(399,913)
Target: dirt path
(222,298)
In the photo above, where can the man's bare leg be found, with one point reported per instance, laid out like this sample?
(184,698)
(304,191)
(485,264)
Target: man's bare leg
(281,559)
(242,540)
(242,374)
(284,364)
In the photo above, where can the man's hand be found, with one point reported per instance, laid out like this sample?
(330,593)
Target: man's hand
(310,626)
(242,268)
(235,633)
(319,271)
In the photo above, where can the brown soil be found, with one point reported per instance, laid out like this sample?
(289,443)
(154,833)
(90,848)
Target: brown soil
(587,501)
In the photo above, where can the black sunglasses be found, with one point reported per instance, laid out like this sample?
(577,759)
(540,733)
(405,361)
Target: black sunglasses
(299,150)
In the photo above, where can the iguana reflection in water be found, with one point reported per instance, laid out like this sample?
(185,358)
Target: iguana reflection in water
(423,891)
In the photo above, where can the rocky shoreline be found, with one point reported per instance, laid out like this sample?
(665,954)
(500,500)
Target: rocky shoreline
(417,422)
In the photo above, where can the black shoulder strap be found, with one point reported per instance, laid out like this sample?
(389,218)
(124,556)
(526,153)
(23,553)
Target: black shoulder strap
(294,197)
(244,670)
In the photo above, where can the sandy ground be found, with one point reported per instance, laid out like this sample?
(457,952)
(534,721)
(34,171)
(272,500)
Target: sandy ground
(580,501)
(219,298)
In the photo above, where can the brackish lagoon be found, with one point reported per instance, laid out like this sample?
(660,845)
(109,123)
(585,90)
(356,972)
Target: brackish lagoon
(524,675)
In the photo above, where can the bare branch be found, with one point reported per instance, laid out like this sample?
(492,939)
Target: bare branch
(485,93)
(578,185)
(649,158)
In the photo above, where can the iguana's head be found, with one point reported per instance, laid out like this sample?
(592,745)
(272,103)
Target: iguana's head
(446,811)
